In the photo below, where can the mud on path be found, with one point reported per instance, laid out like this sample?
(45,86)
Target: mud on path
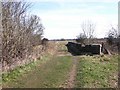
(70,82)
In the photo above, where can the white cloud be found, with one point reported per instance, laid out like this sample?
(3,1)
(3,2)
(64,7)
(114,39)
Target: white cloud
(66,22)
(64,26)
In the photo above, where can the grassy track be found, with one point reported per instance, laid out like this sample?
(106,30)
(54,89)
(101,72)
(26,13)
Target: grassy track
(51,74)
(97,71)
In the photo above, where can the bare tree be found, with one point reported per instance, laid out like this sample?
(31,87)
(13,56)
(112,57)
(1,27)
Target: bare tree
(113,32)
(112,36)
(88,29)
(20,32)
(113,40)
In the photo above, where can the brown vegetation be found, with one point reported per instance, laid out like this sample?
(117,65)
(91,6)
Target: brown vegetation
(21,33)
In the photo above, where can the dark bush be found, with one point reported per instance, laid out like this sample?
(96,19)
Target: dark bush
(81,38)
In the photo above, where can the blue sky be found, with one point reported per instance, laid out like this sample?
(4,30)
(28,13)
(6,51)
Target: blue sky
(63,18)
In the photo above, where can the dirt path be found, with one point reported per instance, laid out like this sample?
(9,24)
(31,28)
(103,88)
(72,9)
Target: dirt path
(70,82)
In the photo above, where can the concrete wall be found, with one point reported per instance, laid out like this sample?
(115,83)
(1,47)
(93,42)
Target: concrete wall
(78,49)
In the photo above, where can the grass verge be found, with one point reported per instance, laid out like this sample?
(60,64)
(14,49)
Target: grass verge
(97,72)
(22,70)
(49,75)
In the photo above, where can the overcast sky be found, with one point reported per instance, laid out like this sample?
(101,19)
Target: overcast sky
(63,18)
